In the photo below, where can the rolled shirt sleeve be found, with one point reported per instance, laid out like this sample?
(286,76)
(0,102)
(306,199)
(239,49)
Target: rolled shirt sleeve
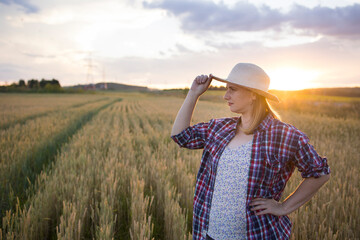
(193,137)
(308,161)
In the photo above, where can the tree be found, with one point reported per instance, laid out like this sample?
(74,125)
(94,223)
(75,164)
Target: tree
(53,88)
(55,82)
(22,83)
(43,83)
(33,84)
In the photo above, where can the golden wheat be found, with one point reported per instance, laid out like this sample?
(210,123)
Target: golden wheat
(122,177)
(15,107)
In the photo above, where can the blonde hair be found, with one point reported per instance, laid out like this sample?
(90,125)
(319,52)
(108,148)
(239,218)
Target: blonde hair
(261,107)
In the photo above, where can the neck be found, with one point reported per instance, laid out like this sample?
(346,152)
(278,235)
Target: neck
(246,119)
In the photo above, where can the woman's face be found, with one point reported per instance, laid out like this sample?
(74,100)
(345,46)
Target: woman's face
(239,98)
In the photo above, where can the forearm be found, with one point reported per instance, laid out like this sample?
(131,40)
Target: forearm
(183,118)
(304,192)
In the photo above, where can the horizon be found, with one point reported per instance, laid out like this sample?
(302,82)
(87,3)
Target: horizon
(188,87)
(165,44)
(220,85)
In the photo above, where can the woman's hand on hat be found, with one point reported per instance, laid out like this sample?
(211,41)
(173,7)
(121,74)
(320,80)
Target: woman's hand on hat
(200,84)
(267,206)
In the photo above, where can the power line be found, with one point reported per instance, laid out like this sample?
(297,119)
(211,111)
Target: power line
(89,75)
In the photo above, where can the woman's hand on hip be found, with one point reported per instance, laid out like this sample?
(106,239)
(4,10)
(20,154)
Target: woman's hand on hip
(267,206)
(200,84)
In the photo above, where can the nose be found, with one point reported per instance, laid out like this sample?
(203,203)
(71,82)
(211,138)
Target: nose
(226,96)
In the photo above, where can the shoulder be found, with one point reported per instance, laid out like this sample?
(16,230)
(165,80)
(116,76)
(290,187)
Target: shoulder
(222,124)
(225,120)
(286,131)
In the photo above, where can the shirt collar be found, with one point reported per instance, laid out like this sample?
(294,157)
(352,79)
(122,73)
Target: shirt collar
(235,121)
(262,126)
(265,124)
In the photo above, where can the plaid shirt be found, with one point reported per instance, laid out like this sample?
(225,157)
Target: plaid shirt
(277,149)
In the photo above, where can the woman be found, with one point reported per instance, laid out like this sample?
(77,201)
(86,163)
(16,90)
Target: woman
(246,161)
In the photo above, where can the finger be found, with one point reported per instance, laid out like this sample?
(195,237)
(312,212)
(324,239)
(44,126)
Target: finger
(198,79)
(206,79)
(261,207)
(257,202)
(203,79)
(255,199)
(266,211)
(209,80)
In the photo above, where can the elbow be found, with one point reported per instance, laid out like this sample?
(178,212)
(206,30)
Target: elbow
(173,133)
(325,177)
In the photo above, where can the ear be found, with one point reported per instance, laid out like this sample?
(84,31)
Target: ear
(253,96)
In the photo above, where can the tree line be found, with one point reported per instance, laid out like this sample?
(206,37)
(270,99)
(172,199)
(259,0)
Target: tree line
(34,85)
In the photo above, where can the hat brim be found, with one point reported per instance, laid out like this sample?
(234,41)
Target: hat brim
(262,93)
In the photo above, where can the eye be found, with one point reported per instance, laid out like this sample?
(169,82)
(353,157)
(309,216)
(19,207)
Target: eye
(231,88)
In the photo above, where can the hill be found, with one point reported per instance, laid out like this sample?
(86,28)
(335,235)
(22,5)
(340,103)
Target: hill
(340,92)
(110,86)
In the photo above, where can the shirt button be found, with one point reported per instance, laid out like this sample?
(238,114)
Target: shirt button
(204,232)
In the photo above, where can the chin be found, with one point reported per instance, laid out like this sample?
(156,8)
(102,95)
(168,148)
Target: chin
(234,110)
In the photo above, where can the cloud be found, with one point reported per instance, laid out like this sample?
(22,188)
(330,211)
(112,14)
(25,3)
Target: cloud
(338,21)
(205,15)
(336,66)
(244,16)
(39,55)
(28,7)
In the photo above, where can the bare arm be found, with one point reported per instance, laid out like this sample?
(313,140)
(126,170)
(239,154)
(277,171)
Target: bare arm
(183,118)
(303,193)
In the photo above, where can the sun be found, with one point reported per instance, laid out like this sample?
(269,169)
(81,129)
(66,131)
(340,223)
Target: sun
(292,78)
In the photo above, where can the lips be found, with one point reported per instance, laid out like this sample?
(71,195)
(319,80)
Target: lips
(230,103)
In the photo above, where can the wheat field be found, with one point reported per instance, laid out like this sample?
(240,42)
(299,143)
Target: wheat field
(103,166)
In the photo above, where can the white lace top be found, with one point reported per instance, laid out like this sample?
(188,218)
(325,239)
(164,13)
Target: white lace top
(228,206)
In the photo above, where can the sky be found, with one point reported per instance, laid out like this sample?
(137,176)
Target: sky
(167,43)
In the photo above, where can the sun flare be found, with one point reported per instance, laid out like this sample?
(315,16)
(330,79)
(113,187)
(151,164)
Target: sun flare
(292,78)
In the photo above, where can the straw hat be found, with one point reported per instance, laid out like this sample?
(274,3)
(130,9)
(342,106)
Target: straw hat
(252,77)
